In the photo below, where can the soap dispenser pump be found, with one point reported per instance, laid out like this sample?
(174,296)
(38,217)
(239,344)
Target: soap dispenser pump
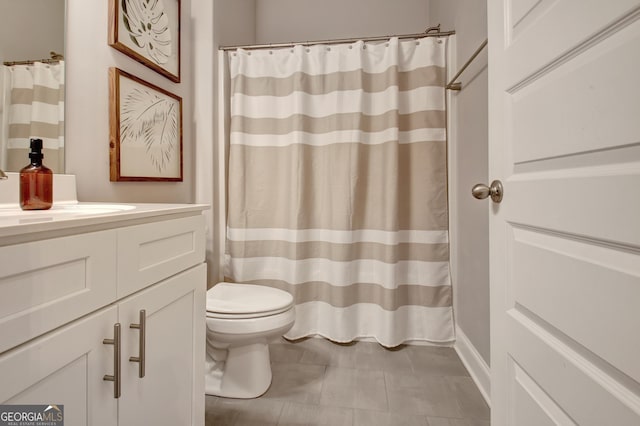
(36,181)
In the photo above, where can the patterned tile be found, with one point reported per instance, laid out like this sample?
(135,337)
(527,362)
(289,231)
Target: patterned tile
(309,414)
(318,382)
(389,360)
(418,394)
(282,351)
(381,418)
(436,361)
(352,388)
(469,398)
(243,412)
(441,421)
(296,382)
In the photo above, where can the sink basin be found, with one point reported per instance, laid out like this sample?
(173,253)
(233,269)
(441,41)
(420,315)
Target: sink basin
(85,208)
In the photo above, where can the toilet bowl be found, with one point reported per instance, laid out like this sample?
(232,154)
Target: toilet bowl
(241,321)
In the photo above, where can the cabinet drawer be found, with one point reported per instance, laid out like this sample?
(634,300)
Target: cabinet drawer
(152,252)
(48,283)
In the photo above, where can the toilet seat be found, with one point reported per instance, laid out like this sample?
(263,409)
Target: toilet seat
(241,328)
(245,301)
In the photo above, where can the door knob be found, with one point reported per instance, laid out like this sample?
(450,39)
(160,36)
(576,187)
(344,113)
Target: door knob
(482,191)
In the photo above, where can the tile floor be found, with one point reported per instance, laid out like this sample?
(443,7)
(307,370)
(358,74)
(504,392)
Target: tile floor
(317,382)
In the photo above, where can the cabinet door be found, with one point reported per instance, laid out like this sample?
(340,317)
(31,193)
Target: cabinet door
(172,389)
(66,367)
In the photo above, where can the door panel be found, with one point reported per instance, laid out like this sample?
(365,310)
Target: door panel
(532,406)
(555,30)
(608,199)
(588,390)
(599,85)
(564,137)
(553,275)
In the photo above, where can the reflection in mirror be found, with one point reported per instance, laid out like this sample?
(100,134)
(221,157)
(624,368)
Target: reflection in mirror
(31,81)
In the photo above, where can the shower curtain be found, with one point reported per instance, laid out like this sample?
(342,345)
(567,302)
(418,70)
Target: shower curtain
(33,107)
(337,187)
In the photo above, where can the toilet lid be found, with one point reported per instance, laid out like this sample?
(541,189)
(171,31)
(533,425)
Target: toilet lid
(243,299)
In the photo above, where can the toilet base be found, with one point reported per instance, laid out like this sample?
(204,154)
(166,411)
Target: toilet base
(239,372)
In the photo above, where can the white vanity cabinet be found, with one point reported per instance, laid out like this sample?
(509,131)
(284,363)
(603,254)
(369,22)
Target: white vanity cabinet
(61,297)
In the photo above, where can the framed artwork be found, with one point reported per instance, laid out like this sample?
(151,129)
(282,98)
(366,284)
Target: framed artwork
(145,130)
(149,32)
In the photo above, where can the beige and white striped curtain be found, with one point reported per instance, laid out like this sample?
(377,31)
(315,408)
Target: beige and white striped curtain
(338,188)
(34,105)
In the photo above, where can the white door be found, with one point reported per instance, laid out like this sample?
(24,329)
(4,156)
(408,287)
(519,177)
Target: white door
(564,138)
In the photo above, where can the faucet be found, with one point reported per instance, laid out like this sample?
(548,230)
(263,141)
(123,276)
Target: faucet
(2,175)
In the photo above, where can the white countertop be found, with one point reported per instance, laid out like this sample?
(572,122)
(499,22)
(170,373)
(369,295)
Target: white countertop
(63,218)
(68,216)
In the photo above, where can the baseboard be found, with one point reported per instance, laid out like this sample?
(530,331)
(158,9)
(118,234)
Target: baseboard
(471,359)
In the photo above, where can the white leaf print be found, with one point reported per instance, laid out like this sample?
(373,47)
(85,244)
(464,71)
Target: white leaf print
(153,120)
(148,27)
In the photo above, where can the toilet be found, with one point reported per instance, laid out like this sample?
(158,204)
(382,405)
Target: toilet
(241,321)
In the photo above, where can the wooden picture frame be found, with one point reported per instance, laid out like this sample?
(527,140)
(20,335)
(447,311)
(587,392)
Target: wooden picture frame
(149,32)
(145,130)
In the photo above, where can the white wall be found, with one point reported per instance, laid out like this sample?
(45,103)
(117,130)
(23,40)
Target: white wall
(30,29)
(300,20)
(215,23)
(235,22)
(469,163)
(88,58)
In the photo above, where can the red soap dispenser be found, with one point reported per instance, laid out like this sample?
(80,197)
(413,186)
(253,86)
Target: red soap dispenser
(36,181)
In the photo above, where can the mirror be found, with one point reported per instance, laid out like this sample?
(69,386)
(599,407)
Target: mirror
(32,36)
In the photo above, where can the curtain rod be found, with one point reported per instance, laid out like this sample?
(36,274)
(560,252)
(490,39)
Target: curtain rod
(429,32)
(453,85)
(55,58)
(33,61)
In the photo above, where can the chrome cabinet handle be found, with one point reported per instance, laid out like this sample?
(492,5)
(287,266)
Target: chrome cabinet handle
(482,191)
(142,326)
(115,378)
